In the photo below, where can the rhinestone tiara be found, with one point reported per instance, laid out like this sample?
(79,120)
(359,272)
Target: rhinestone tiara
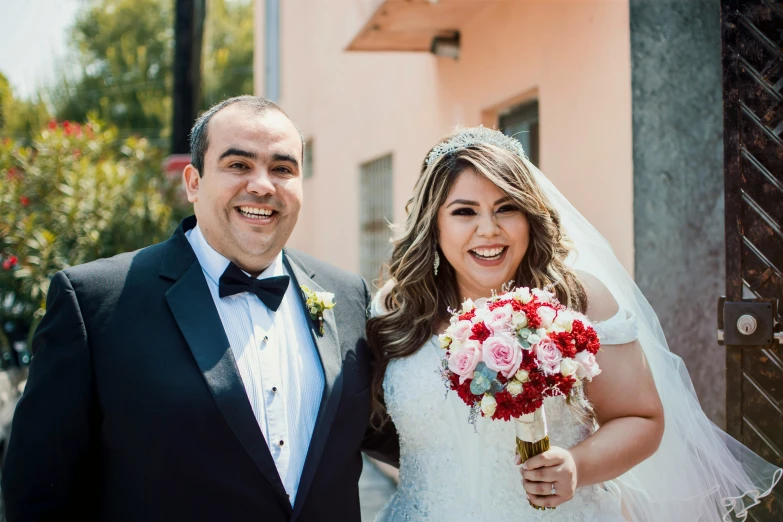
(473,136)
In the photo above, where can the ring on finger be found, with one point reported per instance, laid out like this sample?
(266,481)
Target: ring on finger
(553,492)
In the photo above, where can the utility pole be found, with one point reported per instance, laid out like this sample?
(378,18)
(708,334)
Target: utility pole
(188,35)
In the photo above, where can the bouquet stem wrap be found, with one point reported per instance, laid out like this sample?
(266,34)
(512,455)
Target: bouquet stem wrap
(532,437)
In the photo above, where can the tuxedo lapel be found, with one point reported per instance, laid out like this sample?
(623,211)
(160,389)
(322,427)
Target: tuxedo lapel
(328,346)
(194,310)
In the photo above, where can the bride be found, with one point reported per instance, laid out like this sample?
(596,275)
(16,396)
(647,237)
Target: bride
(635,446)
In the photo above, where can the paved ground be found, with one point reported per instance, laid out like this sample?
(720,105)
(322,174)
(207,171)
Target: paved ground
(375,488)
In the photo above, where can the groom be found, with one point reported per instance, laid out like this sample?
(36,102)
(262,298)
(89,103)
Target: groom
(187,380)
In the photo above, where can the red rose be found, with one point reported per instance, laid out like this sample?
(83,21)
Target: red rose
(13,260)
(467,316)
(559,384)
(531,309)
(585,337)
(517,306)
(498,304)
(565,342)
(24,200)
(480,332)
(463,390)
(506,407)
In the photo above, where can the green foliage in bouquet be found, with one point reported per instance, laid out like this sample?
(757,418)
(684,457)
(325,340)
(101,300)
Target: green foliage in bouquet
(75,195)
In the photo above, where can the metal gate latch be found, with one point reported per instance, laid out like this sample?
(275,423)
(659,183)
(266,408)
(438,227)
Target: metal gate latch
(747,323)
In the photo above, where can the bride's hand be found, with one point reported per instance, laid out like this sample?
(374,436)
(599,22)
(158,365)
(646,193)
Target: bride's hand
(554,467)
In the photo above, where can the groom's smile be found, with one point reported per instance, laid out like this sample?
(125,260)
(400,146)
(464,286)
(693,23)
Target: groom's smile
(247,198)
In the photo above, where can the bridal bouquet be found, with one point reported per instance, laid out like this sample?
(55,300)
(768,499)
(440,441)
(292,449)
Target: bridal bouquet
(505,354)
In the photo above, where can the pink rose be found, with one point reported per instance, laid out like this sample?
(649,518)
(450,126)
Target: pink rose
(460,331)
(548,356)
(499,319)
(588,366)
(464,361)
(547,316)
(502,354)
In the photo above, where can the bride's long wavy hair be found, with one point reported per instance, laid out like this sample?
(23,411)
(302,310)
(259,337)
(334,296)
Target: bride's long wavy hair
(417,303)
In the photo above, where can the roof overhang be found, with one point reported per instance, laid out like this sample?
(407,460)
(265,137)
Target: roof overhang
(413,25)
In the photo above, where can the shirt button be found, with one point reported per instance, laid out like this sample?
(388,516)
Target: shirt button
(280,443)
(274,389)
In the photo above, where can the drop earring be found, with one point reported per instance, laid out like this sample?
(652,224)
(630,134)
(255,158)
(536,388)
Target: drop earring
(436,264)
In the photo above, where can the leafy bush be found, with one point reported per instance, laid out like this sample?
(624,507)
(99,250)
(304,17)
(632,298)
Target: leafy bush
(77,194)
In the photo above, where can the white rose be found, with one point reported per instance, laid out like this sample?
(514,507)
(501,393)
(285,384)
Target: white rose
(568,367)
(523,295)
(481,314)
(467,306)
(547,316)
(564,320)
(514,387)
(519,320)
(327,298)
(445,340)
(488,405)
(522,376)
(542,295)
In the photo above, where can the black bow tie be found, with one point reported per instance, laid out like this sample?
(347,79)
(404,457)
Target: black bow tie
(270,290)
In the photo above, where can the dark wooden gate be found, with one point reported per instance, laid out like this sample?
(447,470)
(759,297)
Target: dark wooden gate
(752,34)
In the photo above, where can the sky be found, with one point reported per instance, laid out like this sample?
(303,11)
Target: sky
(33,38)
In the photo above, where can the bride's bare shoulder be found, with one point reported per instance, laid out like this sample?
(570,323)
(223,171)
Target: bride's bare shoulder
(601,304)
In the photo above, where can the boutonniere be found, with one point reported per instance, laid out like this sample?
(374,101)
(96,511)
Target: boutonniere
(316,303)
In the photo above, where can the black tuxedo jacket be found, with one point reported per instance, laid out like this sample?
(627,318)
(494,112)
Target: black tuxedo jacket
(134,409)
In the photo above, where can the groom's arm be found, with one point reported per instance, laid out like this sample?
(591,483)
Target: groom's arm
(382,444)
(48,467)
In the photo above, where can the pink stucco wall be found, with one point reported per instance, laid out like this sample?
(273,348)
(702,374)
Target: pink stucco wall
(574,56)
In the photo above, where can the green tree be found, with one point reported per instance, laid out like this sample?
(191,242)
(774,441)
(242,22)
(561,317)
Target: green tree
(20,119)
(122,53)
(228,50)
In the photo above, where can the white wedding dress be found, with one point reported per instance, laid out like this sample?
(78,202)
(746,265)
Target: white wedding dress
(451,471)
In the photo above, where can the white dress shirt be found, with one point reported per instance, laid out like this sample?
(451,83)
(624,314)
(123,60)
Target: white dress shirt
(277,360)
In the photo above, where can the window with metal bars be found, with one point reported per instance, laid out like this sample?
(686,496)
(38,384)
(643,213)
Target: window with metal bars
(375,214)
(521,122)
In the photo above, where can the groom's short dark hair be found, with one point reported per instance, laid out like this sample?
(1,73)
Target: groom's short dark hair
(199,134)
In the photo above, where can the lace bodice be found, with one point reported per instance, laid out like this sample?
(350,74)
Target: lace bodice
(451,470)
